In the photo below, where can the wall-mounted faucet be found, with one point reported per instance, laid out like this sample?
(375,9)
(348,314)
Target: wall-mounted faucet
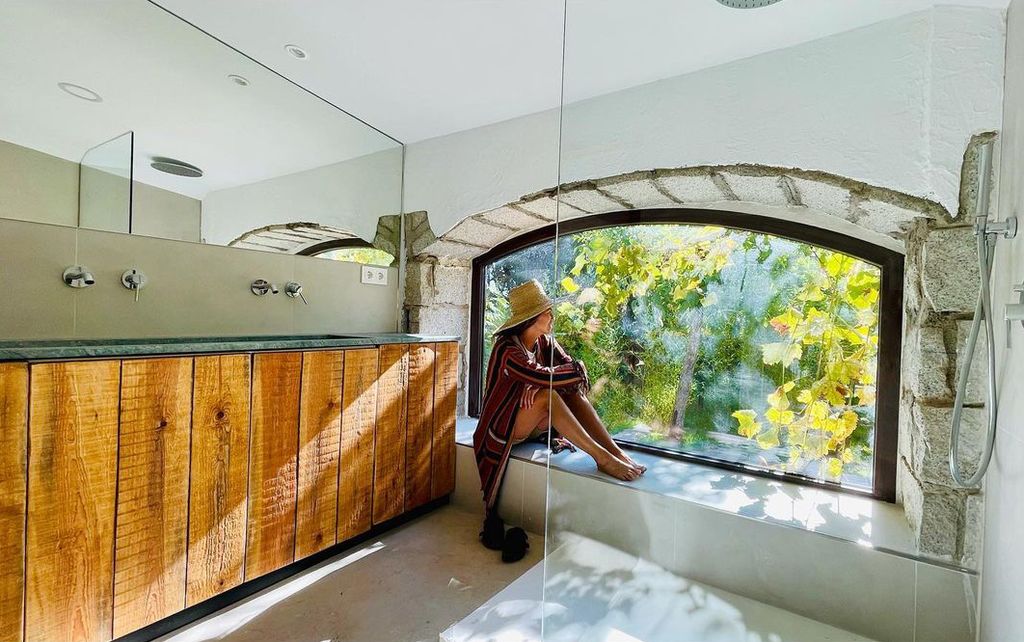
(78,276)
(261,287)
(294,290)
(134,280)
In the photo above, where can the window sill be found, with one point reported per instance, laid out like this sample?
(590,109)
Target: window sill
(862,520)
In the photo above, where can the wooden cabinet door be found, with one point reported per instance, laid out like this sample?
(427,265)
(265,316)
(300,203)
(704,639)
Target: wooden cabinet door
(219,477)
(152,491)
(358,419)
(273,468)
(13,455)
(390,434)
(446,376)
(319,448)
(72,476)
(421,425)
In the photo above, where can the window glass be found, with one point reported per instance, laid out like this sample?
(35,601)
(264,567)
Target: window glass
(725,344)
(363,255)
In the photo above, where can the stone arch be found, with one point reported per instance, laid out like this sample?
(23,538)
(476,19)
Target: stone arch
(290,238)
(940,280)
(810,196)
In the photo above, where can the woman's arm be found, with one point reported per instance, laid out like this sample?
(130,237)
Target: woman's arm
(515,364)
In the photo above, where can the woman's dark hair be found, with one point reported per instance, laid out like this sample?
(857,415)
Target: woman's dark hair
(519,327)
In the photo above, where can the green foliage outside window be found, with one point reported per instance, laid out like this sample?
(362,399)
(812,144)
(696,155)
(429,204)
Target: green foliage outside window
(726,343)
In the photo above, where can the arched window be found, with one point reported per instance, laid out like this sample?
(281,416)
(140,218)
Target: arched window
(352,250)
(740,341)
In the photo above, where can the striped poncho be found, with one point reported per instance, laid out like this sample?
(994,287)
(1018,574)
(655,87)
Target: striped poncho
(511,369)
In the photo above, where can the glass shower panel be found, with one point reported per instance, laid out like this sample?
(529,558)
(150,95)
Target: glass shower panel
(718,274)
(105,186)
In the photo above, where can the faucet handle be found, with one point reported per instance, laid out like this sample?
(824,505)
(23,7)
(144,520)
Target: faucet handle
(134,280)
(261,287)
(294,289)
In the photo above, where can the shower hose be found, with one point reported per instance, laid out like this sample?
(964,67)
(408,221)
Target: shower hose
(982,312)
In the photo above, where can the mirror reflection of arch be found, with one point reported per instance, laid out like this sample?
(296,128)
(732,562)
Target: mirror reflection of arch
(313,239)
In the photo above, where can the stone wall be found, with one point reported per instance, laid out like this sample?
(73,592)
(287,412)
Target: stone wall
(939,296)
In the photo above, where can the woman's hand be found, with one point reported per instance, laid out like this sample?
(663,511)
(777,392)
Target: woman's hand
(529,395)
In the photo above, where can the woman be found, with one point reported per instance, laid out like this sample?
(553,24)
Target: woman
(532,386)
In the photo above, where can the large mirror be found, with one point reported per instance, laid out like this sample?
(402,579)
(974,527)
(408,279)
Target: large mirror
(202,143)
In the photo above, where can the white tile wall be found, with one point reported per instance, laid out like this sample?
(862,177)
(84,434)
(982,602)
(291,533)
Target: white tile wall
(193,289)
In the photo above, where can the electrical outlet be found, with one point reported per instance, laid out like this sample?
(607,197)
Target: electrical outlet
(372,275)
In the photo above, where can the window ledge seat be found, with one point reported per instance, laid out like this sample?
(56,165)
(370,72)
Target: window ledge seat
(802,549)
(862,520)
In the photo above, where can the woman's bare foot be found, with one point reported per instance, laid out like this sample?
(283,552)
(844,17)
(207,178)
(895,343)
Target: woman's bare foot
(618,469)
(621,454)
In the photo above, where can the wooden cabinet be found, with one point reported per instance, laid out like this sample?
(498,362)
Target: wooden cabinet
(152,491)
(72,479)
(446,383)
(390,433)
(273,462)
(219,477)
(13,455)
(132,489)
(358,421)
(319,450)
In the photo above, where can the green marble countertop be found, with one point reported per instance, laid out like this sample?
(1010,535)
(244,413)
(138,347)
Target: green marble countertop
(61,349)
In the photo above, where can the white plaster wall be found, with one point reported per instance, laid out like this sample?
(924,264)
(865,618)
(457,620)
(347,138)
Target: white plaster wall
(350,195)
(892,104)
(1003,565)
(193,289)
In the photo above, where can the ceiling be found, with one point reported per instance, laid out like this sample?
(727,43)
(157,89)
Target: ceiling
(420,69)
(166,81)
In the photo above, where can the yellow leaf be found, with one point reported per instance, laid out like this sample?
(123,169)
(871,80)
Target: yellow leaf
(847,455)
(569,285)
(780,417)
(784,353)
(835,467)
(768,438)
(749,425)
(804,396)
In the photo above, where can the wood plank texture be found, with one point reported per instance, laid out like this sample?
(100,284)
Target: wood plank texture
(152,491)
(358,419)
(319,448)
(446,377)
(72,471)
(421,425)
(219,477)
(389,436)
(273,467)
(13,456)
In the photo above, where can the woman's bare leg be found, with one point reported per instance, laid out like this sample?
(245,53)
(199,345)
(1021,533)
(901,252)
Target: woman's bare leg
(568,426)
(584,411)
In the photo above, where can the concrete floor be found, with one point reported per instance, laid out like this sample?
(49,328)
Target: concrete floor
(408,586)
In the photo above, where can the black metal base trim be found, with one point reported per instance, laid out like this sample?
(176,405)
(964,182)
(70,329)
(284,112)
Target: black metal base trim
(245,589)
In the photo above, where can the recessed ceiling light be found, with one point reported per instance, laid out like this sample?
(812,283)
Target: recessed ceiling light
(79,91)
(176,167)
(241,81)
(296,51)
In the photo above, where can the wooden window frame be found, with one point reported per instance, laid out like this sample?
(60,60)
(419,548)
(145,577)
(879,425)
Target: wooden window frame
(890,263)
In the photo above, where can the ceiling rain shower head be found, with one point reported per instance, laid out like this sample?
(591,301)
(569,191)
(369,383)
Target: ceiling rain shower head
(747,4)
(176,167)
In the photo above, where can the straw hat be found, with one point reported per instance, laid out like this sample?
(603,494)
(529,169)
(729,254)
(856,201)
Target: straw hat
(527,301)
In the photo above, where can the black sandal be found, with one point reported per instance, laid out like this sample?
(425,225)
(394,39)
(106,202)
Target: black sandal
(493,534)
(516,545)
